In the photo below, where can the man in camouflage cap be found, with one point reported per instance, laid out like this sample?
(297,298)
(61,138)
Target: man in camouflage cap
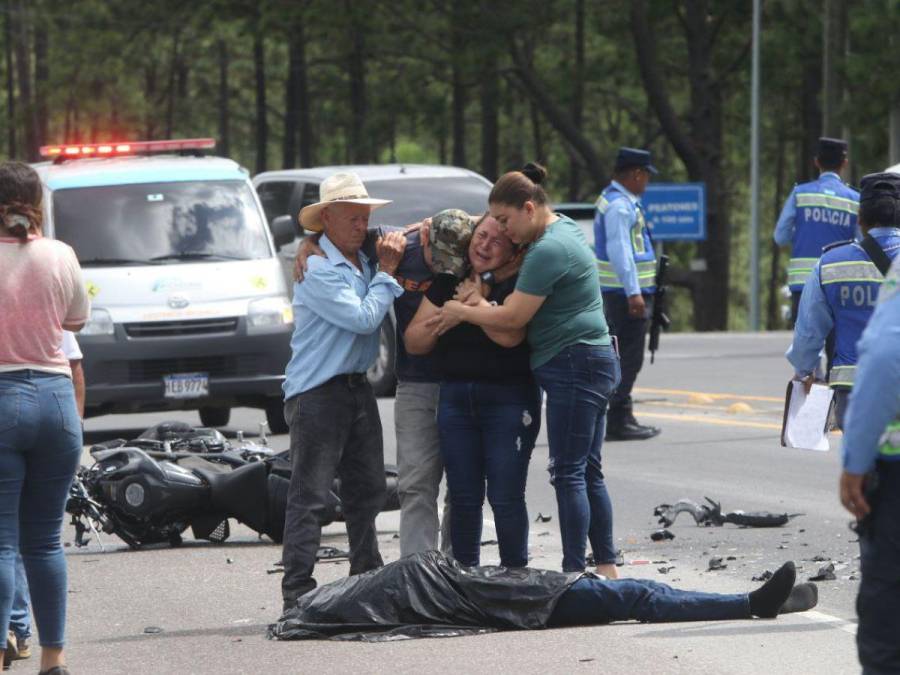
(449,236)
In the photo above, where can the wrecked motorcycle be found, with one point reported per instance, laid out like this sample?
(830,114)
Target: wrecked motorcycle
(711,514)
(173,476)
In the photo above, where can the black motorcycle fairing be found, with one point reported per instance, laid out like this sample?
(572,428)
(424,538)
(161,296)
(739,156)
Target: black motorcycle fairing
(239,493)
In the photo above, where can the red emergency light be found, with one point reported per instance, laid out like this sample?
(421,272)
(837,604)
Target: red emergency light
(126,148)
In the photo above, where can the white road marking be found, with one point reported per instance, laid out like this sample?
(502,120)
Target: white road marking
(836,621)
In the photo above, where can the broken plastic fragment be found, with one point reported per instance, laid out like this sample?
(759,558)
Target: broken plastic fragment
(716,563)
(661,535)
(153,629)
(765,576)
(826,573)
(541,518)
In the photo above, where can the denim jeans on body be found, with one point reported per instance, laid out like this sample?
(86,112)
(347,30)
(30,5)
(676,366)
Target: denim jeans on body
(335,431)
(40,447)
(591,601)
(20,616)
(579,382)
(488,431)
(420,469)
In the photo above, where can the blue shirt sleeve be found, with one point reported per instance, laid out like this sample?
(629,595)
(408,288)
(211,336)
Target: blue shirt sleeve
(618,221)
(326,292)
(814,323)
(875,399)
(784,228)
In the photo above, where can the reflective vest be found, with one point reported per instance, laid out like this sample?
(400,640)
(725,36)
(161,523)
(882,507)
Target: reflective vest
(824,213)
(641,244)
(851,282)
(889,445)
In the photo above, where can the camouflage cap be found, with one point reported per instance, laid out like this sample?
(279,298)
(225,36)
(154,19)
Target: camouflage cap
(449,236)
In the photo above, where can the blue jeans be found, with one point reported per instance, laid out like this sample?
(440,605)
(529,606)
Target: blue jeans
(40,447)
(487,433)
(579,382)
(591,601)
(20,617)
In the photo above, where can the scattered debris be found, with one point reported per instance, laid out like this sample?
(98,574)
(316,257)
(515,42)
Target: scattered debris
(331,553)
(715,563)
(661,535)
(731,557)
(712,515)
(585,660)
(541,518)
(489,542)
(543,534)
(818,558)
(665,569)
(765,576)
(781,546)
(151,630)
(620,558)
(826,573)
(229,561)
(396,535)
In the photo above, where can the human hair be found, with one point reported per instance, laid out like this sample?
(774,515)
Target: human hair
(880,211)
(831,162)
(514,188)
(20,199)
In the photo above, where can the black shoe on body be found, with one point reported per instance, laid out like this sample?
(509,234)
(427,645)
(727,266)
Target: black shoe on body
(630,430)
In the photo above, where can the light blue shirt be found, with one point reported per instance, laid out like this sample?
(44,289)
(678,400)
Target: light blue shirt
(875,399)
(618,221)
(815,320)
(338,310)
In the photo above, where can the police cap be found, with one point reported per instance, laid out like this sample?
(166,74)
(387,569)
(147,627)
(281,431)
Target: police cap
(629,157)
(878,185)
(831,150)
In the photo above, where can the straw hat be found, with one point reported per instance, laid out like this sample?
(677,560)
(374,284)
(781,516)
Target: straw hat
(338,188)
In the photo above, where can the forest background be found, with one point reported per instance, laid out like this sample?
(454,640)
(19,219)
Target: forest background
(483,85)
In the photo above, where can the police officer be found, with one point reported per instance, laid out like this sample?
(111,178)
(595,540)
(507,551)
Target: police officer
(627,266)
(817,214)
(872,441)
(841,292)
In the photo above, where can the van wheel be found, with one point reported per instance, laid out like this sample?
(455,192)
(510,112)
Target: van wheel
(215,417)
(275,416)
(382,375)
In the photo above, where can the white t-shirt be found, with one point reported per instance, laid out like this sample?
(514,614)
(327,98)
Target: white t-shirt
(41,288)
(70,347)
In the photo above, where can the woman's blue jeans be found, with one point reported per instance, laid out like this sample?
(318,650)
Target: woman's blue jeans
(579,382)
(487,433)
(40,448)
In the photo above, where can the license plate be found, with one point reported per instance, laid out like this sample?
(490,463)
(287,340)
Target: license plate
(186,385)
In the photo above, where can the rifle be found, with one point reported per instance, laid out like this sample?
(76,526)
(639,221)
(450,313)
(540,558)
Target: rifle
(660,321)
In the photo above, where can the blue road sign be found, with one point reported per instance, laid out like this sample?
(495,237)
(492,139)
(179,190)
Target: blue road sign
(677,211)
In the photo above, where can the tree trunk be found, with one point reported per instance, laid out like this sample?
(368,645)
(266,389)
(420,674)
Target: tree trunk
(12,148)
(41,83)
(458,88)
(773,317)
(577,98)
(810,119)
(834,41)
(490,127)
(359,150)
(536,135)
(224,121)
(289,143)
(262,125)
(21,32)
(171,93)
(304,116)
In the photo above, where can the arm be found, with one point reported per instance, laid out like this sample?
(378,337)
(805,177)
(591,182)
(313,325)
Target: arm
(78,383)
(618,222)
(80,305)
(325,292)
(814,323)
(784,228)
(418,338)
(513,315)
(471,292)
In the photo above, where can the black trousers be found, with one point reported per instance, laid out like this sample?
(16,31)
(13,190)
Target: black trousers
(335,431)
(632,336)
(878,602)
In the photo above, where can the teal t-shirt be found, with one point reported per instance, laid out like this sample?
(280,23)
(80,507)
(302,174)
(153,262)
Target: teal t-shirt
(561,267)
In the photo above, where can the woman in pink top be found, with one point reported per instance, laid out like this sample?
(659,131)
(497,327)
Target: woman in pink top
(41,293)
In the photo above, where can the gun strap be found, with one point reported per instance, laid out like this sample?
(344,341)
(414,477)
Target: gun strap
(876,254)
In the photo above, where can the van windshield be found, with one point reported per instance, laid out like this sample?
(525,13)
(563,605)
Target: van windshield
(157,223)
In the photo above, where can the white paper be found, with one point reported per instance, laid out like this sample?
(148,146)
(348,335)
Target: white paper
(807,416)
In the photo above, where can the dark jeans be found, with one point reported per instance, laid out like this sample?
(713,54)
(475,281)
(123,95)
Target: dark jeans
(487,433)
(40,447)
(335,431)
(578,382)
(878,602)
(841,401)
(592,601)
(632,336)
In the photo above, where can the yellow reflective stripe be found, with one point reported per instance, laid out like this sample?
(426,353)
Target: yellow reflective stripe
(799,269)
(637,236)
(890,441)
(827,201)
(602,203)
(855,270)
(842,376)
(646,273)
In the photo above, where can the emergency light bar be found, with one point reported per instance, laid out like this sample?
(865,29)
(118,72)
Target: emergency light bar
(126,148)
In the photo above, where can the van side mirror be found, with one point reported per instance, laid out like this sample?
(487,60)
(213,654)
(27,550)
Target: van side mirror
(283,230)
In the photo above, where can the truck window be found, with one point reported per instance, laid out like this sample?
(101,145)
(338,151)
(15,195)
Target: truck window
(276,198)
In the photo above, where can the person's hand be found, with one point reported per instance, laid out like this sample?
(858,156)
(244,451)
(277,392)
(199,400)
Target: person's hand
(415,227)
(309,246)
(389,249)
(449,316)
(636,306)
(470,291)
(808,382)
(852,497)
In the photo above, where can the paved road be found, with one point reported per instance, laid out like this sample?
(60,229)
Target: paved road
(718,398)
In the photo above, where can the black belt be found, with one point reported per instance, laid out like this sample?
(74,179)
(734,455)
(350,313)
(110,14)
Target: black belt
(349,379)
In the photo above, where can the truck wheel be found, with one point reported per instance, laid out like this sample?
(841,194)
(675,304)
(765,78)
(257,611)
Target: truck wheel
(214,417)
(275,416)
(381,374)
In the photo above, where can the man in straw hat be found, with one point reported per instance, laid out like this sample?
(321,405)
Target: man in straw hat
(329,405)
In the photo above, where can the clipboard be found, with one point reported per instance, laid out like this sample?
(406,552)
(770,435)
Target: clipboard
(805,421)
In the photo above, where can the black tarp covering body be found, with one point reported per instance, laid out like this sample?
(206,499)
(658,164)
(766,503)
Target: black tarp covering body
(426,594)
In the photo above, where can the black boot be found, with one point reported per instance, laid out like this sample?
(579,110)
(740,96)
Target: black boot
(624,427)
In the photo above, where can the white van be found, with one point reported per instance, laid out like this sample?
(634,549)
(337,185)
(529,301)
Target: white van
(189,303)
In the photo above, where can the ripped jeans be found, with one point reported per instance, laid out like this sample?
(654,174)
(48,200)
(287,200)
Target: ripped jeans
(487,432)
(579,382)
